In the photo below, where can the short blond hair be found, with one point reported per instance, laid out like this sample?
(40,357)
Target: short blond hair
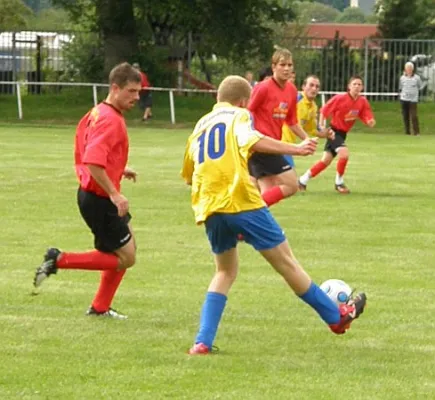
(234,89)
(281,53)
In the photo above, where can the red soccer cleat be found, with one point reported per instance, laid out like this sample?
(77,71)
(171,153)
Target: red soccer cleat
(349,312)
(199,349)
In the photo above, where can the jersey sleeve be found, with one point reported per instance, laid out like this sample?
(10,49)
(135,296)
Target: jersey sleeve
(244,131)
(188,164)
(329,107)
(366,113)
(292,113)
(99,140)
(259,94)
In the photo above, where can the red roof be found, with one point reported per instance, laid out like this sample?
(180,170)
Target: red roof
(354,33)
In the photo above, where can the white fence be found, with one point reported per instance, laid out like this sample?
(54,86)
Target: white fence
(19,85)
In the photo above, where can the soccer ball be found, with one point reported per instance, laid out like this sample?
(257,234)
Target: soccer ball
(338,291)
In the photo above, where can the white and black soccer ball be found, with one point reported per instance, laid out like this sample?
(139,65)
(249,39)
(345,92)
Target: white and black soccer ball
(337,290)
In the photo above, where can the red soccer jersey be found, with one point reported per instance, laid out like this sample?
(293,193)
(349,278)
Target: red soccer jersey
(145,83)
(101,139)
(345,110)
(272,105)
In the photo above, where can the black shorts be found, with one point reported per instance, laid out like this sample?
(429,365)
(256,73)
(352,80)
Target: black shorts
(331,146)
(262,164)
(111,231)
(145,99)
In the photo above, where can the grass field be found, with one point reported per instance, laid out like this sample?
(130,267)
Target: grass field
(379,239)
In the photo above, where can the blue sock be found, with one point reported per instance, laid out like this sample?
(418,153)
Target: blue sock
(211,314)
(324,306)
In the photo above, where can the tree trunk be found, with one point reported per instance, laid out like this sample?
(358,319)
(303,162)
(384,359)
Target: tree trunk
(118,29)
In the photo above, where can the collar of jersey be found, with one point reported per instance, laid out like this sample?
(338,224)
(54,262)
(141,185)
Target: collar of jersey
(306,100)
(222,104)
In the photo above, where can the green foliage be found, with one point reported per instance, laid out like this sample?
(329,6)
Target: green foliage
(50,19)
(351,15)
(339,60)
(236,30)
(338,4)
(14,15)
(315,12)
(403,19)
(38,5)
(218,68)
(84,59)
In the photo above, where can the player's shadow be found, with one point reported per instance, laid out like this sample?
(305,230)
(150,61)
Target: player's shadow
(363,194)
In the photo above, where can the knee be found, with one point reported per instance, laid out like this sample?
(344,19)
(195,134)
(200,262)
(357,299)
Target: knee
(127,260)
(228,275)
(343,153)
(290,187)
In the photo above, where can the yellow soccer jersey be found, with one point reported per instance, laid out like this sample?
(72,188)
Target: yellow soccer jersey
(307,117)
(216,163)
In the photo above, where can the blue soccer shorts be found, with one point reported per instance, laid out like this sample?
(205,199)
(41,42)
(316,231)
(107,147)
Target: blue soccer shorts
(258,228)
(290,160)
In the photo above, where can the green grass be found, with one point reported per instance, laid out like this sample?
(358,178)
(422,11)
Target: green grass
(379,239)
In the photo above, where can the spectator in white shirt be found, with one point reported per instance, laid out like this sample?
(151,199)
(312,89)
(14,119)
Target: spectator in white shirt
(409,87)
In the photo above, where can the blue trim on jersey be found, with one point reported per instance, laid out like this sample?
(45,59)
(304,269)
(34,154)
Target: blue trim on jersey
(300,97)
(290,160)
(258,227)
(251,117)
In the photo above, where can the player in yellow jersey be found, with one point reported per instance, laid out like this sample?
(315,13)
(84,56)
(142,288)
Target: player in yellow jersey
(307,115)
(228,204)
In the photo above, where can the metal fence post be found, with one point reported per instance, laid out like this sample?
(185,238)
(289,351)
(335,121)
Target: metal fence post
(171,106)
(366,63)
(95,94)
(20,106)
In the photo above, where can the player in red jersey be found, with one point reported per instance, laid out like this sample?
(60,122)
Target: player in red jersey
(272,104)
(101,154)
(344,109)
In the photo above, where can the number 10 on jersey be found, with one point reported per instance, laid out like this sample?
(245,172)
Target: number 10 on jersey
(208,145)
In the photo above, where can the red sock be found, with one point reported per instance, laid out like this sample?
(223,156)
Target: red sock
(92,260)
(341,165)
(109,283)
(272,196)
(317,168)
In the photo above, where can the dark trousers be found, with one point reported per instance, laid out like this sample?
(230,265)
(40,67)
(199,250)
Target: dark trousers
(409,113)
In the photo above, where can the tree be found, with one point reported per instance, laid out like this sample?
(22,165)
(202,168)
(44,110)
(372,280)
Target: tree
(233,29)
(404,19)
(316,12)
(14,15)
(37,5)
(113,20)
(338,4)
(351,15)
(50,19)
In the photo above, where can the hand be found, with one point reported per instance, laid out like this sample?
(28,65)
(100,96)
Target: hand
(121,203)
(327,133)
(371,123)
(130,174)
(307,147)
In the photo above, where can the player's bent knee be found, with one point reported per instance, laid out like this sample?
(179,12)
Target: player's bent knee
(343,152)
(126,260)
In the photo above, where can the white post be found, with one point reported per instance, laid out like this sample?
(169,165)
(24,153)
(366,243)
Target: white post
(171,106)
(95,94)
(323,99)
(20,106)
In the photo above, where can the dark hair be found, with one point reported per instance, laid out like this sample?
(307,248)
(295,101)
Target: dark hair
(353,77)
(308,77)
(264,73)
(124,73)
